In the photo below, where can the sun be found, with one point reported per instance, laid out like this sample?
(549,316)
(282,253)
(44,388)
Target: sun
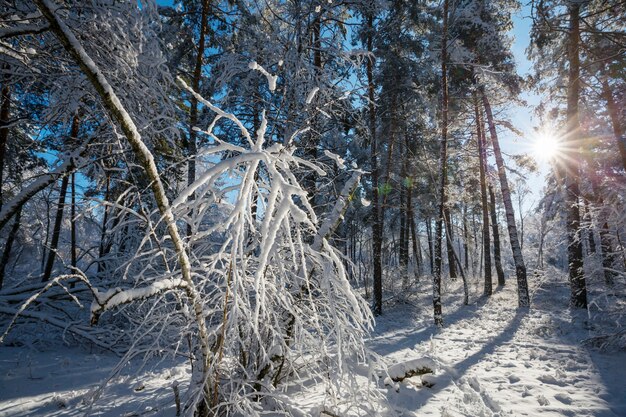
(546,146)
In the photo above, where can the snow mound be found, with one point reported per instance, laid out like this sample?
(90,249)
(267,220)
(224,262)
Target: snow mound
(418,366)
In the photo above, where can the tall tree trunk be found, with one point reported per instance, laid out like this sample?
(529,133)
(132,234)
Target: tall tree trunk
(58,221)
(608,254)
(497,257)
(417,252)
(443,172)
(73,222)
(405,210)
(449,241)
(482,158)
(377,238)
(56,231)
(193,108)
(104,247)
(5,112)
(518,259)
(9,244)
(465,238)
(618,127)
(572,156)
(463,277)
(591,241)
(429,235)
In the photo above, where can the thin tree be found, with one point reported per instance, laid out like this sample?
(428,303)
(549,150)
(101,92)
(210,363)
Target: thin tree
(482,157)
(443,172)
(377,239)
(58,220)
(518,259)
(191,146)
(497,256)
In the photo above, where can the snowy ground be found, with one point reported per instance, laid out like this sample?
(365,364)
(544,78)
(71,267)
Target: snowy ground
(491,359)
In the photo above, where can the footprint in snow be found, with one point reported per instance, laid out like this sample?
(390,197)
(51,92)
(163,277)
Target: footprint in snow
(549,379)
(564,398)
(514,378)
(542,400)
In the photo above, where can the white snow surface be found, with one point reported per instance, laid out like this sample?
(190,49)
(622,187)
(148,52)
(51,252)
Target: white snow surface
(491,359)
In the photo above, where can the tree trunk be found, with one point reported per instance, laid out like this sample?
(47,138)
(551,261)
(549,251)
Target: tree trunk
(193,108)
(591,241)
(405,210)
(465,238)
(608,254)
(518,259)
(103,248)
(56,231)
(572,156)
(377,239)
(9,244)
(443,172)
(497,257)
(73,222)
(429,235)
(5,110)
(449,241)
(618,128)
(482,158)
(58,221)
(417,253)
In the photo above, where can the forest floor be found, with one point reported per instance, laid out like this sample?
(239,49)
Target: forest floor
(490,359)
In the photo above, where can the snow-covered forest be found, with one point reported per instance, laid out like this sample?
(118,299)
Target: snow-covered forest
(312,208)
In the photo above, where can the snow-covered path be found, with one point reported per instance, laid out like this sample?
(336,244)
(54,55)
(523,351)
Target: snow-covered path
(490,359)
(495,360)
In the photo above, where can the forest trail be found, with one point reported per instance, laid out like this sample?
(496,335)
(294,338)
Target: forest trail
(491,359)
(495,359)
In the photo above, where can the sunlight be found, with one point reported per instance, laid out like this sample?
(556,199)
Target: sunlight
(546,146)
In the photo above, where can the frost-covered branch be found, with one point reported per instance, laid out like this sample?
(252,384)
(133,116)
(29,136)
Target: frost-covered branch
(116,110)
(11,207)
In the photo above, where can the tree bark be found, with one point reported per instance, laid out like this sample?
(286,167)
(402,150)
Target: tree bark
(56,231)
(193,108)
(429,235)
(618,127)
(518,259)
(443,172)
(497,256)
(376,225)
(578,285)
(608,254)
(482,158)
(6,253)
(449,240)
(73,222)
(5,110)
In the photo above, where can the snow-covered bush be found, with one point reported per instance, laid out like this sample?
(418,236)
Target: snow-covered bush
(274,292)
